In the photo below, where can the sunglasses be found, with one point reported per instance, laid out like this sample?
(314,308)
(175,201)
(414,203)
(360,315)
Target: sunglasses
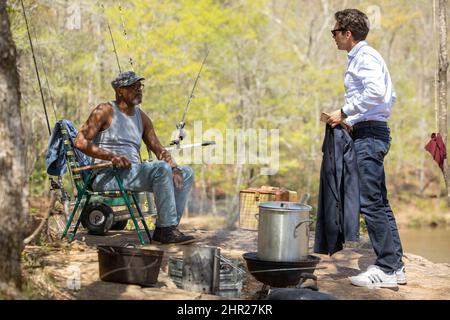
(137,86)
(333,32)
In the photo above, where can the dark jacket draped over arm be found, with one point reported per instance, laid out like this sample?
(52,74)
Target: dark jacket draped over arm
(338,204)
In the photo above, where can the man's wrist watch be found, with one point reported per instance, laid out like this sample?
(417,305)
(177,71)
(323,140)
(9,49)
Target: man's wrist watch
(343,114)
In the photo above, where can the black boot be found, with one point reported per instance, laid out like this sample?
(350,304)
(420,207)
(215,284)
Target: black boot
(166,235)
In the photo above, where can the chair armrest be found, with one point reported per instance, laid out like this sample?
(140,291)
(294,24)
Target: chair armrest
(93,167)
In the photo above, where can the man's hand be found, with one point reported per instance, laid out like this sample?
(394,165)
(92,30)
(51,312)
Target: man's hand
(176,172)
(121,162)
(167,157)
(177,178)
(335,118)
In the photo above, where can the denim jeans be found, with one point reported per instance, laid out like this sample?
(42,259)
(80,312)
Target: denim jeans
(156,177)
(372,143)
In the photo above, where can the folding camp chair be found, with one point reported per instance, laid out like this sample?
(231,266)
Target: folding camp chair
(81,177)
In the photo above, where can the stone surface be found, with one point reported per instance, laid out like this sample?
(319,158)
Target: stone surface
(426,280)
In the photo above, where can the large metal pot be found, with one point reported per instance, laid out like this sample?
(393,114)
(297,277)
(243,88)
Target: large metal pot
(283,231)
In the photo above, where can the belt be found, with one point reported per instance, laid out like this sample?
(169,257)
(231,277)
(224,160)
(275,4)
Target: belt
(374,129)
(370,124)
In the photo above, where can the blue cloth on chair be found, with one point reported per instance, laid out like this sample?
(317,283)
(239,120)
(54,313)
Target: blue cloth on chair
(55,160)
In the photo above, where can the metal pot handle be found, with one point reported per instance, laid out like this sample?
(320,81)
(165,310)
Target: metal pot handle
(304,277)
(257,216)
(299,224)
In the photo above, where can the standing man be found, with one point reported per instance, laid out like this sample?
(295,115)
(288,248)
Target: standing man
(113,132)
(369,98)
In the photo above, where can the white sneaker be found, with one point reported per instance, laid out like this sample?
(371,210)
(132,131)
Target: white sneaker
(374,277)
(401,275)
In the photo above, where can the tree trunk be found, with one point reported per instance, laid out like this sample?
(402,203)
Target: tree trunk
(443,66)
(13,182)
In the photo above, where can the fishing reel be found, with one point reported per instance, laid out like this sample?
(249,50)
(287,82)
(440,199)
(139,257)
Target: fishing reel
(180,136)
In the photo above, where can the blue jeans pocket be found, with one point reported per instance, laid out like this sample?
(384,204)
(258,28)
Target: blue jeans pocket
(381,147)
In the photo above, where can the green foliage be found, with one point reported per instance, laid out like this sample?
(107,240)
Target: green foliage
(36,180)
(272,64)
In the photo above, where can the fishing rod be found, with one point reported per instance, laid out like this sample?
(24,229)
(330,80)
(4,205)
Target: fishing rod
(49,90)
(53,184)
(130,60)
(193,145)
(149,196)
(125,35)
(36,68)
(112,38)
(182,123)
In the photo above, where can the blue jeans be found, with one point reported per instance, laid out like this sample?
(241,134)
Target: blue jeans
(372,143)
(156,177)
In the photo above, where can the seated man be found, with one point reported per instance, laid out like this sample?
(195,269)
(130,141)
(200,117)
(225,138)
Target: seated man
(113,132)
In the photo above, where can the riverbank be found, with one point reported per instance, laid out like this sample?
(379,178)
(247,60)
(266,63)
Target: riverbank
(422,213)
(48,269)
(419,225)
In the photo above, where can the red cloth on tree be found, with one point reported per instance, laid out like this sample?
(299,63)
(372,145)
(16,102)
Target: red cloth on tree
(437,149)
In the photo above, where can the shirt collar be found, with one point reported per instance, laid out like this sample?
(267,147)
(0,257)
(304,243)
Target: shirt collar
(356,48)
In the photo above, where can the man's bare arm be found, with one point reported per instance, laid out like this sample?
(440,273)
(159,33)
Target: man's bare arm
(89,130)
(97,120)
(153,143)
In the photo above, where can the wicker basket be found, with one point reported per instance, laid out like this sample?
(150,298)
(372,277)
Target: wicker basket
(249,199)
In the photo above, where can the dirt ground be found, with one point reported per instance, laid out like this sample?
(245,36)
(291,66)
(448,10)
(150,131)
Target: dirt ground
(49,268)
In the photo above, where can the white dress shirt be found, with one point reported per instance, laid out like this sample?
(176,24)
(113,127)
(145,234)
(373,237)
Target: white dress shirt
(369,94)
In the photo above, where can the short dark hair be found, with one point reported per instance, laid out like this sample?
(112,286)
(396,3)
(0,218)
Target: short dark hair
(355,21)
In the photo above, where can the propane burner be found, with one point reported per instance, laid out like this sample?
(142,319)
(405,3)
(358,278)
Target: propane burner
(280,274)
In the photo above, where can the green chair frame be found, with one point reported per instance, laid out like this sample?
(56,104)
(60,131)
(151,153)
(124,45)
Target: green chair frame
(82,184)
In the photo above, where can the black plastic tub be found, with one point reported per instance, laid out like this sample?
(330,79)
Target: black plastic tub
(279,274)
(129,265)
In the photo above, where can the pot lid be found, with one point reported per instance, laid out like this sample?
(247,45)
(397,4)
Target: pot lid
(285,206)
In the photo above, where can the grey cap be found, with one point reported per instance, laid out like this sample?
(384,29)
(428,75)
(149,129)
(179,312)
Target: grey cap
(125,79)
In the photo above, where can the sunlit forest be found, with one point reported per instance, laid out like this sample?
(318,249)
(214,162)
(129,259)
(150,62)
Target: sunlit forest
(272,64)
(243,92)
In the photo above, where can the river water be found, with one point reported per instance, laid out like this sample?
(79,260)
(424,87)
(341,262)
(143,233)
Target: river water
(430,243)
